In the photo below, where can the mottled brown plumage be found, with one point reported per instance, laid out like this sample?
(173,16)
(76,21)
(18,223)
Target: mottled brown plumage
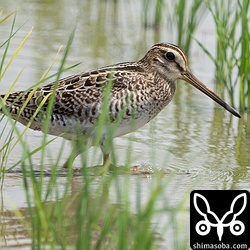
(137,92)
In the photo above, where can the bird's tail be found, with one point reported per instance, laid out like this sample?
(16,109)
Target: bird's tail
(5,103)
(1,103)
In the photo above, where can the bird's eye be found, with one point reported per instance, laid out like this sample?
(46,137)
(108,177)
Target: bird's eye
(170,56)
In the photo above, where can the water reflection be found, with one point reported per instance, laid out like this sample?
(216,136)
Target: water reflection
(65,221)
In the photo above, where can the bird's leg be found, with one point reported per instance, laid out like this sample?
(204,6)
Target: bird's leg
(78,149)
(106,166)
(70,160)
(106,159)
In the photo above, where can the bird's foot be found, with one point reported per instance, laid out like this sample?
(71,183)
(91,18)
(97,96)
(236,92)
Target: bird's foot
(105,168)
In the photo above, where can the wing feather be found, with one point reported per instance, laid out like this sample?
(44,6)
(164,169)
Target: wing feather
(77,92)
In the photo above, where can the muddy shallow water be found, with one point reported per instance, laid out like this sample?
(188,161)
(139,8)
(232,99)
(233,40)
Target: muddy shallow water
(200,144)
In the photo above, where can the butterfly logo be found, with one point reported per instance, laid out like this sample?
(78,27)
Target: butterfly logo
(210,219)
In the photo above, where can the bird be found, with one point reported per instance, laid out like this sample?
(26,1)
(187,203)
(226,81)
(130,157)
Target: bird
(127,94)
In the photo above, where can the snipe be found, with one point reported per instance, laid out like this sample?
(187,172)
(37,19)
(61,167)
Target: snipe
(138,91)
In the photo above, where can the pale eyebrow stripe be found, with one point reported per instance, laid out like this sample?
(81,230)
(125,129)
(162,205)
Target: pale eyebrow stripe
(163,46)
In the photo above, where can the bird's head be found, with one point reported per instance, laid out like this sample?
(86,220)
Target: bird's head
(171,62)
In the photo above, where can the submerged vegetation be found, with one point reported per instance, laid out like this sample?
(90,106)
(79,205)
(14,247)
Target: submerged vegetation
(182,18)
(231,60)
(231,19)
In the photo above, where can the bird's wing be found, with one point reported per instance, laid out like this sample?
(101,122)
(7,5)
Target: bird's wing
(77,91)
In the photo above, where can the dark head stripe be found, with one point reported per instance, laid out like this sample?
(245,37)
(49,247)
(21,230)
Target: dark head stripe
(163,46)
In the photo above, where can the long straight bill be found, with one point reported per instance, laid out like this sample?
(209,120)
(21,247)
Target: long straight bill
(189,77)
